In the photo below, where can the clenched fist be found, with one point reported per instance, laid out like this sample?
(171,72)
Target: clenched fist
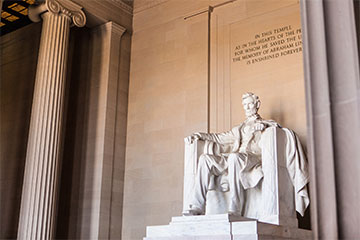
(259,126)
(190,139)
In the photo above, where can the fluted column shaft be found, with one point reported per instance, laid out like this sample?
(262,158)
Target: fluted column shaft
(38,202)
(333,116)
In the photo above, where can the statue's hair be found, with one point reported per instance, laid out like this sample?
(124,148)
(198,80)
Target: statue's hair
(252,95)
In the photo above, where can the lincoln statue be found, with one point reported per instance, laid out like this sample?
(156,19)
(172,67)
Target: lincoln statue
(245,164)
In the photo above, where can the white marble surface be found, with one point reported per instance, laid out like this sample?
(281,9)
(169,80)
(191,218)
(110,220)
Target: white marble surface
(222,226)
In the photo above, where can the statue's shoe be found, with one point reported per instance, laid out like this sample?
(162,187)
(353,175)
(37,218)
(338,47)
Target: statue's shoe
(194,211)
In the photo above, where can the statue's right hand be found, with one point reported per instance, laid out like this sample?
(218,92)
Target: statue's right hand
(190,139)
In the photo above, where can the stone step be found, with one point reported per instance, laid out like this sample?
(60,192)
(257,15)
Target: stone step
(222,226)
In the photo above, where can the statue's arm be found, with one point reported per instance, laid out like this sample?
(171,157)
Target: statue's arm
(263,124)
(199,136)
(220,138)
(270,123)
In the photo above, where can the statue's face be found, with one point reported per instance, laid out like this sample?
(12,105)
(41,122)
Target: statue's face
(249,106)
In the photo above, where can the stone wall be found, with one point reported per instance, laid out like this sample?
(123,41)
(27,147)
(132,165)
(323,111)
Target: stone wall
(257,47)
(167,101)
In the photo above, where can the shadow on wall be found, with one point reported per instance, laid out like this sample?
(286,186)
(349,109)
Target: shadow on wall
(69,219)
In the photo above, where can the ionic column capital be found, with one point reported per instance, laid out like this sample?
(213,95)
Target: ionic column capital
(59,7)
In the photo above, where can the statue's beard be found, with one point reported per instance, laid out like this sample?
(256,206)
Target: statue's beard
(251,114)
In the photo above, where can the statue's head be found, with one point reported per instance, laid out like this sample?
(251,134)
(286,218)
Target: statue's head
(251,104)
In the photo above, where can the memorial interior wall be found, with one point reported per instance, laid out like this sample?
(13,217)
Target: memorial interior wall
(167,101)
(179,84)
(19,52)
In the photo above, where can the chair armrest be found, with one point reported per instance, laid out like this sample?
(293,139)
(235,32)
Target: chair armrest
(191,158)
(192,153)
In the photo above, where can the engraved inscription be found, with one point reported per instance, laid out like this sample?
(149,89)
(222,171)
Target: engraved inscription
(270,44)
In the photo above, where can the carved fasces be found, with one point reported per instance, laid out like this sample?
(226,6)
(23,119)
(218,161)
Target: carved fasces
(65,7)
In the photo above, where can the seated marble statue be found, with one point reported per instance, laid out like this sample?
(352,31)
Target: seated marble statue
(258,164)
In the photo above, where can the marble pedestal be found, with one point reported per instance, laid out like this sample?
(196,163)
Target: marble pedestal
(222,227)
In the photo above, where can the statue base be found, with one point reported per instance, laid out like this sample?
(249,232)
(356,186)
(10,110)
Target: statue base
(222,227)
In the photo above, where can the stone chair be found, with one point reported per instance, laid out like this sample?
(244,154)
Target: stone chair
(271,201)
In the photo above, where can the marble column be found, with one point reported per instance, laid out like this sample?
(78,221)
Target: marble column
(332,83)
(38,203)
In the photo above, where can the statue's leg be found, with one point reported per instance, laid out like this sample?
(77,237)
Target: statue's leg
(236,189)
(208,165)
